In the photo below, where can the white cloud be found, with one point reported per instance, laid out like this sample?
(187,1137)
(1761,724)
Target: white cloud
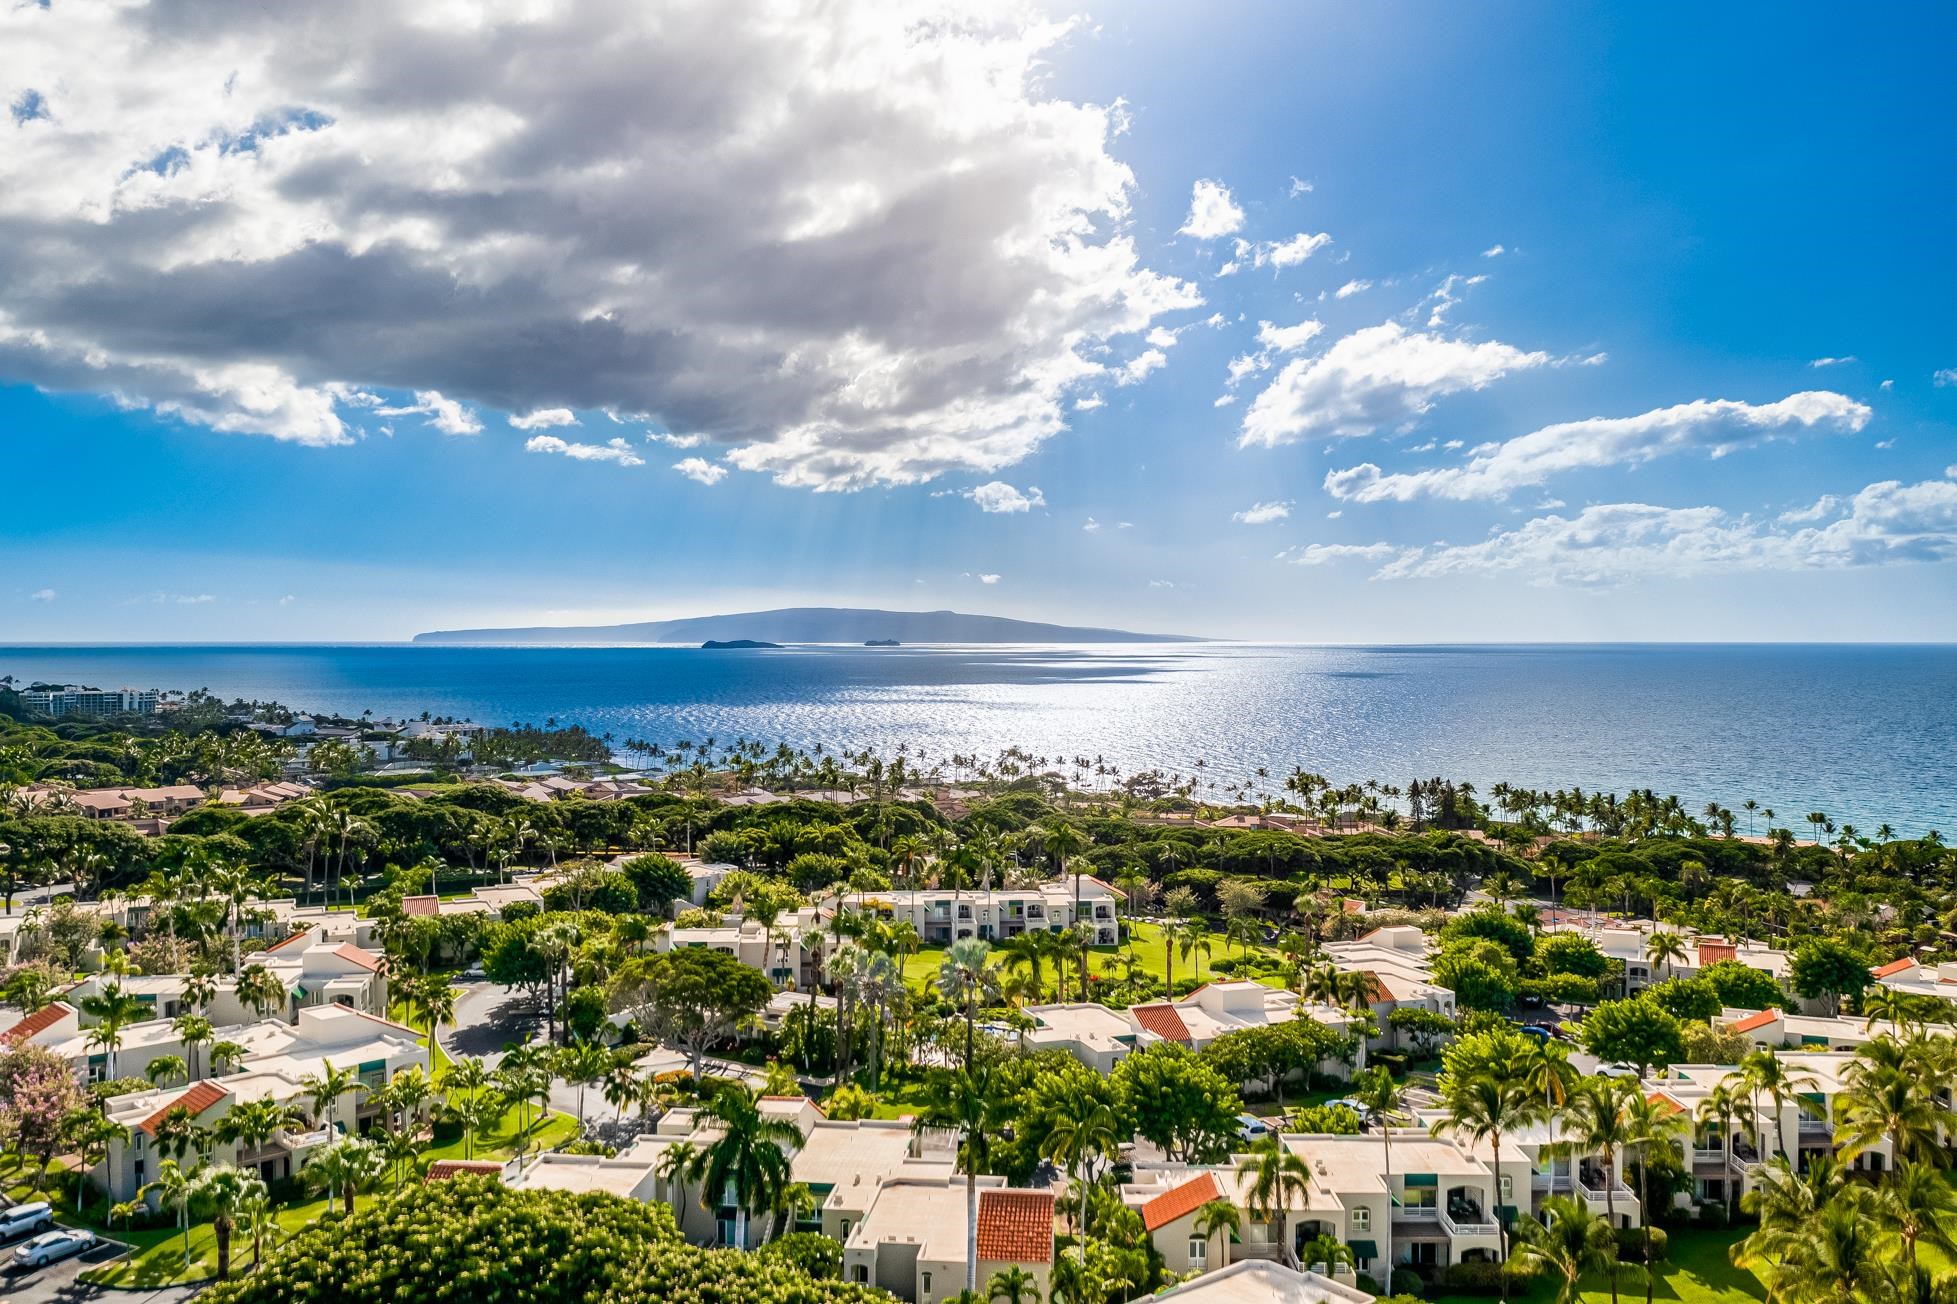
(1091,526)
(1942,377)
(1446,295)
(616,450)
(1493,251)
(545,419)
(988,579)
(1223,400)
(1712,426)
(1262,513)
(1212,212)
(1351,288)
(42,595)
(193,599)
(677,441)
(484,203)
(1299,187)
(1289,253)
(1323,554)
(1089,403)
(1885,523)
(700,469)
(1886,386)
(1137,368)
(1161,337)
(1288,339)
(1378,376)
(998,496)
(288,600)
(445,414)
(1161,584)
(1832,362)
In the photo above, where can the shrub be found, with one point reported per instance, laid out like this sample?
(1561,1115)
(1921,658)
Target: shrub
(1630,1244)
(1406,1285)
(1714,1214)
(810,1253)
(1472,1277)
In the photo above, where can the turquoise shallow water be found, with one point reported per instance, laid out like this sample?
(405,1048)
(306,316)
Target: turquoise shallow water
(1866,733)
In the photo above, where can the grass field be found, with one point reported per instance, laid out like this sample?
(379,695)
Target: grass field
(1148,946)
(1697,1272)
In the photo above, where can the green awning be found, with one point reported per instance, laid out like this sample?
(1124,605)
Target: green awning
(1423,1179)
(1365,1249)
(1505,1212)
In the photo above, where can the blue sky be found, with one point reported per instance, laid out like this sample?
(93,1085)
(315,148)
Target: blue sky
(263,335)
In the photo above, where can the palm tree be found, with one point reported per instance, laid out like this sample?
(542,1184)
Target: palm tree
(581,1064)
(964,1100)
(1650,1125)
(1721,1105)
(475,1112)
(1485,1106)
(1891,1095)
(1666,948)
(1081,1131)
(193,1030)
(748,1159)
(1765,1071)
(90,1134)
(1378,1092)
(177,1188)
(1216,1216)
(1012,1285)
(431,999)
(399,1150)
(113,1010)
(1569,1242)
(260,990)
(226,1192)
(1920,1208)
(324,1089)
(348,1166)
(1277,1176)
(259,1220)
(962,979)
(676,1164)
(168,1069)
(1063,842)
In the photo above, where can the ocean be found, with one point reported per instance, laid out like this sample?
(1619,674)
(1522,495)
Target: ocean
(1867,734)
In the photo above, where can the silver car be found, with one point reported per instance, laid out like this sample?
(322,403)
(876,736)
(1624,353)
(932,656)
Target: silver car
(49,1246)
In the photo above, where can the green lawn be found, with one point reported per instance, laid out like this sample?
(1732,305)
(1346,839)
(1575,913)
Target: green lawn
(1148,946)
(1697,1272)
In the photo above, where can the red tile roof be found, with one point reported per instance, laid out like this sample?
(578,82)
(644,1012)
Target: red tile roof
(1015,1226)
(421,905)
(1752,1021)
(364,958)
(1185,1199)
(200,1097)
(36,1023)
(1895,967)
(443,1169)
(1163,1021)
(299,936)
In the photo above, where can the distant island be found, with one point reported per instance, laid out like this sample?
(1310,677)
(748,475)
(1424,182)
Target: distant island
(713,644)
(812,625)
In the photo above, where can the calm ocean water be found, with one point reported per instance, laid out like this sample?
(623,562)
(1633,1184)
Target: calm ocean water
(1867,734)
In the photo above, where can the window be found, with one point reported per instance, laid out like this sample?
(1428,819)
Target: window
(927,1284)
(845,1233)
(1362,1218)
(861,1274)
(1507,1186)
(1199,1251)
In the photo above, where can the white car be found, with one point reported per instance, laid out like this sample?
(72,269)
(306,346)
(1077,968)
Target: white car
(1617,1070)
(26,1219)
(49,1246)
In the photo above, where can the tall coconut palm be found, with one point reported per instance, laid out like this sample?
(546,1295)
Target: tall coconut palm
(1891,1096)
(1080,1132)
(324,1089)
(260,990)
(1764,1071)
(1485,1106)
(1064,842)
(1377,1091)
(1720,1107)
(1651,1125)
(1219,1217)
(964,1100)
(1665,948)
(581,1064)
(226,1192)
(748,1156)
(964,979)
(1569,1242)
(193,1030)
(1277,1176)
(348,1166)
(113,1010)
(177,1187)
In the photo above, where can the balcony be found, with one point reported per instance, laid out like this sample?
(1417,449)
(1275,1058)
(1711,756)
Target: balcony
(1713,1158)
(294,1142)
(1477,1224)
(1816,1131)
(1620,1198)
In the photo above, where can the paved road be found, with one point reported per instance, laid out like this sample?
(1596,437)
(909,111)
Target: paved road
(27,898)
(489,1017)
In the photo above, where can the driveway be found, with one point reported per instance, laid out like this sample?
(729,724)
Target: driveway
(489,1017)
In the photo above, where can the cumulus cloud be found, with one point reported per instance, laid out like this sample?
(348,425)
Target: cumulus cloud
(1262,513)
(1137,368)
(42,595)
(545,419)
(1089,403)
(1351,288)
(998,496)
(445,414)
(1323,554)
(988,579)
(1212,212)
(1288,339)
(1712,426)
(700,469)
(1885,523)
(616,450)
(1378,376)
(662,210)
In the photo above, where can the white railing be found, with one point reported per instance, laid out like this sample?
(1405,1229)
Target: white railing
(1417,1213)
(1622,1197)
(1703,1156)
(1482,1228)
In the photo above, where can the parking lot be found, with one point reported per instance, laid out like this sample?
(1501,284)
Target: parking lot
(60,1283)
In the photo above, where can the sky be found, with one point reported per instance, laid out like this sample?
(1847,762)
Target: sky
(1286,321)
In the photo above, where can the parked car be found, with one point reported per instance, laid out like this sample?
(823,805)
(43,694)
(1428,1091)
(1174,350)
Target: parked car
(1252,1128)
(1364,1112)
(26,1219)
(1617,1070)
(49,1246)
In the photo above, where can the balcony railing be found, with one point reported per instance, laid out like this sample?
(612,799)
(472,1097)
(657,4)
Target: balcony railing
(1479,1225)
(319,1136)
(1701,1155)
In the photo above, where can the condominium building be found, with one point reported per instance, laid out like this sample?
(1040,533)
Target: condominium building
(93,702)
(1101,1038)
(942,916)
(911,1242)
